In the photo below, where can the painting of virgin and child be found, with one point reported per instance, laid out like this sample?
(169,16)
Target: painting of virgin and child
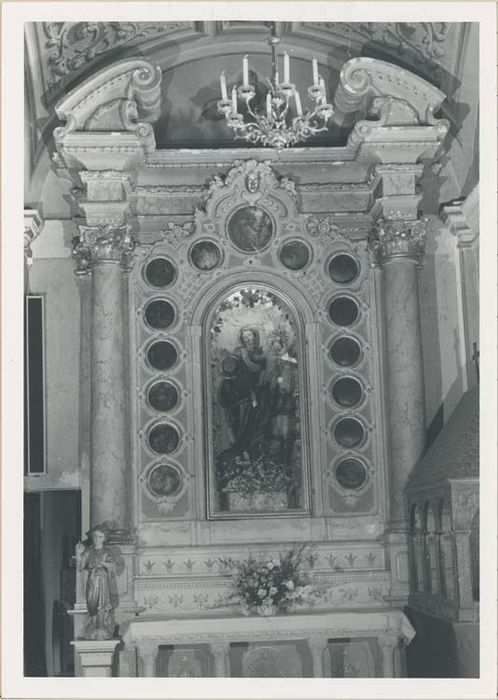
(257,436)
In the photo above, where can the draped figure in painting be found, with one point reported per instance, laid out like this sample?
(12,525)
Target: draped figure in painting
(244,393)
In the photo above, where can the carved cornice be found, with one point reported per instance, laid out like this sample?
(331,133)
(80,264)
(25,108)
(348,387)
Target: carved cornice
(103,244)
(396,95)
(33,225)
(397,238)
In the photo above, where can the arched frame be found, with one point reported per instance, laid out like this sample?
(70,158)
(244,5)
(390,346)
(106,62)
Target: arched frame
(204,309)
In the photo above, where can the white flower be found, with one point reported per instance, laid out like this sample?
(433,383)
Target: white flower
(273,590)
(261,593)
(290,585)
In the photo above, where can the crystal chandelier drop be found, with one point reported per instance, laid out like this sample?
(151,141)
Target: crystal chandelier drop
(275,126)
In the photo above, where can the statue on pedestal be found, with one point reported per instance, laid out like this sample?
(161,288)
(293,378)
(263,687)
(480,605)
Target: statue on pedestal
(95,557)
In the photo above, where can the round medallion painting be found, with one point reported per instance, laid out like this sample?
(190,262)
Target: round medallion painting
(250,229)
(163,396)
(349,432)
(350,473)
(343,311)
(345,352)
(343,269)
(159,314)
(205,255)
(295,255)
(164,480)
(160,273)
(162,355)
(347,392)
(164,439)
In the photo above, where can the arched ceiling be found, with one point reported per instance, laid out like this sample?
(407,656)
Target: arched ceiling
(192,55)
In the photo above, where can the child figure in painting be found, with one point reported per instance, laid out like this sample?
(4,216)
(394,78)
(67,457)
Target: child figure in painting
(97,559)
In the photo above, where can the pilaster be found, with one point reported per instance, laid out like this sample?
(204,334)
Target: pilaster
(147,652)
(317,646)
(462,217)
(220,652)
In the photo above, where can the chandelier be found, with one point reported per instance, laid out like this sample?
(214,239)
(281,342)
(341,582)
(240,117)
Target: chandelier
(282,123)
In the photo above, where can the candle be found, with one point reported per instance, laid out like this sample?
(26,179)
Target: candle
(268,105)
(322,86)
(299,108)
(277,77)
(223,83)
(234,99)
(315,71)
(286,68)
(245,70)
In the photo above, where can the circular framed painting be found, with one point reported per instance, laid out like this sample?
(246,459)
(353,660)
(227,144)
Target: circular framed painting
(343,269)
(164,439)
(351,473)
(349,432)
(347,392)
(250,229)
(163,396)
(295,255)
(160,273)
(343,311)
(159,314)
(164,480)
(205,255)
(345,352)
(162,355)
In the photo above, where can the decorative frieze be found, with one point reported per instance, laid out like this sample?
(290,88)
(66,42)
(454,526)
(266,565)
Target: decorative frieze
(397,238)
(102,245)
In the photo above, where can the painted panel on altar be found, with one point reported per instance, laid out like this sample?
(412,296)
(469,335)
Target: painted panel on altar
(255,399)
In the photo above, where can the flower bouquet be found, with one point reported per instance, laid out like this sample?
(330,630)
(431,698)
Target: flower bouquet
(267,587)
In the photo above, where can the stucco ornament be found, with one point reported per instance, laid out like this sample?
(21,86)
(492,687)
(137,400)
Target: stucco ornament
(102,244)
(397,238)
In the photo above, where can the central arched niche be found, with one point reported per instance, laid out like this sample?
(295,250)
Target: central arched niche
(254,389)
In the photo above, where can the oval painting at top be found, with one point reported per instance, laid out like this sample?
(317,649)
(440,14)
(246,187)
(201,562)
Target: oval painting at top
(250,229)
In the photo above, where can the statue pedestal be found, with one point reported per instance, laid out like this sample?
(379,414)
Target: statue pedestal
(96,656)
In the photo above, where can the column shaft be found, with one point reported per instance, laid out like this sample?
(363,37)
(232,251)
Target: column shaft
(108,417)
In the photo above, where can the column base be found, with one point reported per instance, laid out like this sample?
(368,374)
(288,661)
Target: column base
(96,657)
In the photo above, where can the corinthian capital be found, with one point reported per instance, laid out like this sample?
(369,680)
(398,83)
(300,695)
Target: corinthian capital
(103,244)
(397,238)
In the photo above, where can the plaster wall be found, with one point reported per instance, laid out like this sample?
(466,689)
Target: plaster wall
(55,279)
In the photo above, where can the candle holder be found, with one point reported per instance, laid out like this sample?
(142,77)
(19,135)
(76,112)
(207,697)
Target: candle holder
(275,126)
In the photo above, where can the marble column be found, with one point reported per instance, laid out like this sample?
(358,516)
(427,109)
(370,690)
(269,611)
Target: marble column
(147,651)
(220,652)
(397,247)
(104,251)
(317,646)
